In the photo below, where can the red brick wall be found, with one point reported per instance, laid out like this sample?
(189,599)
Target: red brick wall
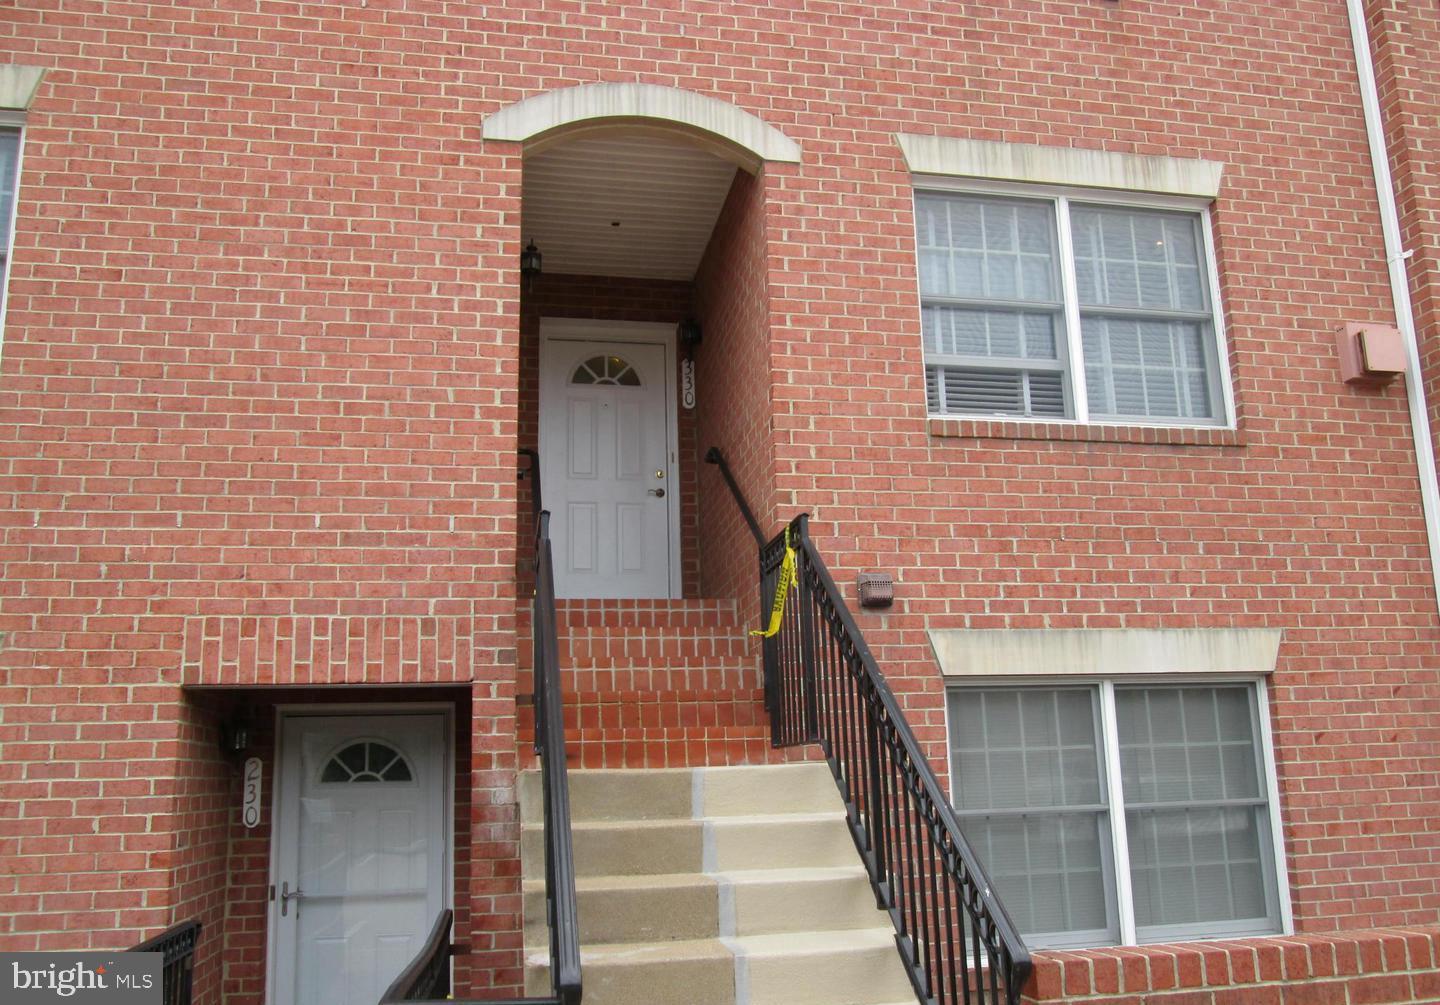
(207,800)
(261,361)
(1404,36)
(734,391)
(259,364)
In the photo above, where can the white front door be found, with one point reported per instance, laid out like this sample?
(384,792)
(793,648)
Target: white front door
(607,458)
(361,852)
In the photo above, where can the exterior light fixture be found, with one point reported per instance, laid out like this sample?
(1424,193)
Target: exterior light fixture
(236,735)
(530,262)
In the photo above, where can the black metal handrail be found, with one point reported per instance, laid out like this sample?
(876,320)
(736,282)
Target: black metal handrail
(533,473)
(177,946)
(714,456)
(427,978)
(426,981)
(823,685)
(560,907)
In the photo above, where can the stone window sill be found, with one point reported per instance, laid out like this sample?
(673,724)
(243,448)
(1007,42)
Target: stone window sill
(1010,429)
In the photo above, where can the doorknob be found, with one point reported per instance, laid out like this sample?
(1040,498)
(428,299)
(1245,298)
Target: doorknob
(287,895)
(658,493)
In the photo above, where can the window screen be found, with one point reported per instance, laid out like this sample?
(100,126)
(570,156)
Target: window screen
(1196,808)
(995,298)
(1145,317)
(1032,796)
(1029,789)
(991,309)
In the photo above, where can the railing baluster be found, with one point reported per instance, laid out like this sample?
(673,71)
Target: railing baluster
(952,937)
(933,916)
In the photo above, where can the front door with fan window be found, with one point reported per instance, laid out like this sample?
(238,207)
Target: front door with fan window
(607,454)
(361,852)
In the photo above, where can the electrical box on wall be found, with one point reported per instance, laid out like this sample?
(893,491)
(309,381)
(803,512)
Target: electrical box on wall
(1371,354)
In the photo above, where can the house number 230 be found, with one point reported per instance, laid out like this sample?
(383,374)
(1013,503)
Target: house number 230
(250,804)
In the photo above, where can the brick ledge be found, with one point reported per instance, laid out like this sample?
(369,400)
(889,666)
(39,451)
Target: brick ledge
(1007,429)
(1385,965)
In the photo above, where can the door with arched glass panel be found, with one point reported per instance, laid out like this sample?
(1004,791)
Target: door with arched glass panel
(607,454)
(360,852)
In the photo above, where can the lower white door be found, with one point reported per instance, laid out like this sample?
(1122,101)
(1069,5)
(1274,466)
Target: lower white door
(360,865)
(607,459)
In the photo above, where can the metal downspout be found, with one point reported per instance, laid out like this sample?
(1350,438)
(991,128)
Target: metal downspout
(1395,257)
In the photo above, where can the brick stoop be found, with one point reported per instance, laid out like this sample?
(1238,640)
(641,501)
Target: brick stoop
(655,683)
(1389,966)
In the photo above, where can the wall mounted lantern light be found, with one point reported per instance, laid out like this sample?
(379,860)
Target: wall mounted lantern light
(689,333)
(530,263)
(236,735)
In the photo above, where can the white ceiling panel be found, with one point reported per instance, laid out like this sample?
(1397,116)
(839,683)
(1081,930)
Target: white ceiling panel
(663,191)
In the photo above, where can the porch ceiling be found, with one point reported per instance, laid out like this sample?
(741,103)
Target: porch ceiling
(664,191)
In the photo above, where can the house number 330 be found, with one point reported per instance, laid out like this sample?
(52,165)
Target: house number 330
(250,804)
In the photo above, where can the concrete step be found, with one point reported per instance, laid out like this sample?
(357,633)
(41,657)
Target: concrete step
(689,972)
(802,787)
(649,847)
(858,967)
(714,886)
(769,901)
(621,848)
(660,908)
(685,793)
(791,840)
(663,908)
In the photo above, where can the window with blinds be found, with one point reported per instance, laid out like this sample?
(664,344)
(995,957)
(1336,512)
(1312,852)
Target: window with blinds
(992,312)
(1188,822)
(1050,308)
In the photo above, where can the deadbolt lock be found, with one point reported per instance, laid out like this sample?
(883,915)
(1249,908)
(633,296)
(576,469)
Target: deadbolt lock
(659,473)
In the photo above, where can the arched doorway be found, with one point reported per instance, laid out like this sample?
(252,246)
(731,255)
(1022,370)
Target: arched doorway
(645,204)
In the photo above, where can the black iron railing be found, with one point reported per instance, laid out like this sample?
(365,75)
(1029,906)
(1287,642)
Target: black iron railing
(177,946)
(550,745)
(427,978)
(714,456)
(959,945)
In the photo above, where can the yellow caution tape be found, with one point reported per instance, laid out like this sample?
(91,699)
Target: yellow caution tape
(782,589)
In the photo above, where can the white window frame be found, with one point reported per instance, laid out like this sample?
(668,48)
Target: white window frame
(11,121)
(1060,196)
(1121,894)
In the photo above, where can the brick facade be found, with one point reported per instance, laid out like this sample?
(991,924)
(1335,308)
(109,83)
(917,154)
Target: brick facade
(267,362)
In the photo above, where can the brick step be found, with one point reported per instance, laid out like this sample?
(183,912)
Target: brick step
(647,615)
(684,747)
(653,683)
(654,709)
(648,684)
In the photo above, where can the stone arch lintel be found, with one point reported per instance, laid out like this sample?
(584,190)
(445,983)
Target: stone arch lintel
(536,119)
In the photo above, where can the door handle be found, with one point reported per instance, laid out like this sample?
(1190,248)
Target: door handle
(287,895)
(658,493)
